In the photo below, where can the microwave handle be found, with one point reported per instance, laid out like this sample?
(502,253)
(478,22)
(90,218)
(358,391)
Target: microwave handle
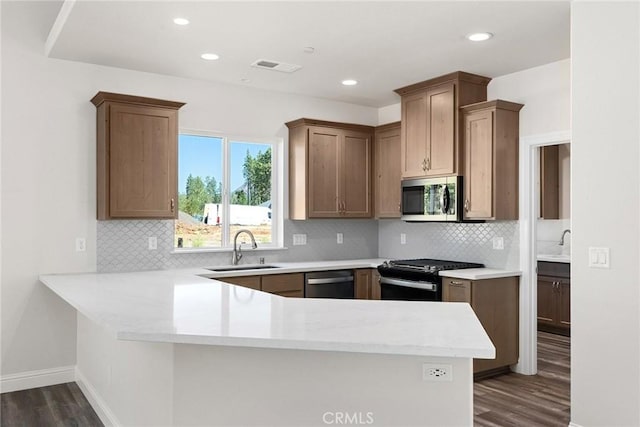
(445,199)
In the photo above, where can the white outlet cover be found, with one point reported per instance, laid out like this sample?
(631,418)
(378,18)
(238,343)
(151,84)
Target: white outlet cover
(299,239)
(403,238)
(340,238)
(437,372)
(498,243)
(153,243)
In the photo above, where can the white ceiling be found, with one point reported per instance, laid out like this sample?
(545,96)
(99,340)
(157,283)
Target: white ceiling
(384,44)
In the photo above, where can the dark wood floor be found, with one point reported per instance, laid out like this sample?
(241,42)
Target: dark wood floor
(529,400)
(61,405)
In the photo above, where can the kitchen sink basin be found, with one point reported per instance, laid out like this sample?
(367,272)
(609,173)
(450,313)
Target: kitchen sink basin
(242,267)
(554,258)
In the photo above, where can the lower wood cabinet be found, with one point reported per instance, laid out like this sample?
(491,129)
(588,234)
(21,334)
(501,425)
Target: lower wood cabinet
(367,283)
(495,302)
(554,298)
(286,285)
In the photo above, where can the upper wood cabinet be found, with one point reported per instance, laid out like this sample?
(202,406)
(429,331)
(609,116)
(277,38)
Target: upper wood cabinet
(549,183)
(430,132)
(491,160)
(387,174)
(329,170)
(137,150)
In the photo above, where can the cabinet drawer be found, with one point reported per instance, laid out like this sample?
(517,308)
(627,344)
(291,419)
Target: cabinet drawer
(456,290)
(281,283)
(252,282)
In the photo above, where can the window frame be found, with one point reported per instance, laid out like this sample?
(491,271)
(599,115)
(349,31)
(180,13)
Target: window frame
(277,189)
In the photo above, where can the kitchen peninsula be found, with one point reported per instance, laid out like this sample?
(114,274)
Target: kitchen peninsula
(176,348)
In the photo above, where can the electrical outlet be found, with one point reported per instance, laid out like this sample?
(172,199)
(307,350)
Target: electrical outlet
(403,239)
(498,243)
(153,243)
(340,238)
(81,244)
(437,372)
(299,239)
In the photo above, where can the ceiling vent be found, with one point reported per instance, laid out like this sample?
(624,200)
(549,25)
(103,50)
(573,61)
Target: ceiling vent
(275,65)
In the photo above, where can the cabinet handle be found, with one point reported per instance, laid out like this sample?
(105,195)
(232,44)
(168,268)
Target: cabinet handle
(467,204)
(399,207)
(173,205)
(424,165)
(428,163)
(456,283)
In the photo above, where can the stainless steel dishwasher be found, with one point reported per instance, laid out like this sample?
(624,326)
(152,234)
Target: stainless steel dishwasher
(329,284)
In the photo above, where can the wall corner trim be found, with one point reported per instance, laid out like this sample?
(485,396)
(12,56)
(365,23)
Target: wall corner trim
(98,404)
(34,379)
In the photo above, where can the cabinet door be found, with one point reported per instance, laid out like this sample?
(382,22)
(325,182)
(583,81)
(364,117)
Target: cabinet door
(143,144)
(413,152)
(478,183)
(376,292)
(355,174)
(252,282)
(286,285)
(546,300)
(363,284)
(564,303)
(456,290)
(441,147)
(549,183)
(324,144)
(388,176)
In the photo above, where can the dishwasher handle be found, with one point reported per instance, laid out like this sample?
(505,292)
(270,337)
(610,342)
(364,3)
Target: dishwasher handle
(329,280)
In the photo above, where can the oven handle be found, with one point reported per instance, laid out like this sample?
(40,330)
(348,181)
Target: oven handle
(427,286)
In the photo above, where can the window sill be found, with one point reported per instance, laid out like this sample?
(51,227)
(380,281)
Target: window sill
(227,250)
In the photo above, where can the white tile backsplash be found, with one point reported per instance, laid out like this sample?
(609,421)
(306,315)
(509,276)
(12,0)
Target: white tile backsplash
(123,245)
(451,241)
(548,233)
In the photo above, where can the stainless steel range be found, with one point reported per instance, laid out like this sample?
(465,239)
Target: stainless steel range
(416,279)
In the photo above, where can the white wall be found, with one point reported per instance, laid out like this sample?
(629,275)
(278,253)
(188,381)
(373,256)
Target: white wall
(48,170)
(605,306)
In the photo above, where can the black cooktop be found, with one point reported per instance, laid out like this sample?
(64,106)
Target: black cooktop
(423,265)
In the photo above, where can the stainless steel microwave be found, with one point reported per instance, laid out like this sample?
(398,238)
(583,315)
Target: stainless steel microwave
(432,199)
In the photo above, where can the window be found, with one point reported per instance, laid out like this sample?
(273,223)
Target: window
(225,185)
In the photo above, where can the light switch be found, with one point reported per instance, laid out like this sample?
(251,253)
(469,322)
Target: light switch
(599,257)
(340,238)
(403,239)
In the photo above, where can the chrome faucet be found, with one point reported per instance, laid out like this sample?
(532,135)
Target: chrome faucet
(564,233)
(237,250)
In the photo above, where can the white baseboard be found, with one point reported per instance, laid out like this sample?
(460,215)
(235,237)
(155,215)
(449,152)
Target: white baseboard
(34,379)
(105,414)
(572,424)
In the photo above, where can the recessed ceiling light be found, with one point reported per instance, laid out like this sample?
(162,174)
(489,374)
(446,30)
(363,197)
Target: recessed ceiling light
(181,21)
(479,37)
(209,56)
(349,82)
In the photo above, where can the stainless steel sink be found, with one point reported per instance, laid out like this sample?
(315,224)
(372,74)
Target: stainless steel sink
(242,267)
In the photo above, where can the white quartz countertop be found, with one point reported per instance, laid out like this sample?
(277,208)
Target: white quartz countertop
(479,273)
(294,267)
(180,306)
(566,259)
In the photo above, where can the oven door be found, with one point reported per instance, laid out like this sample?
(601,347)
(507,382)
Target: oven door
(392,288)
